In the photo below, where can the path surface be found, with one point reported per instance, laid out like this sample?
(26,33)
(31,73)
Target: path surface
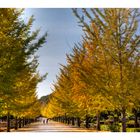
(51,127)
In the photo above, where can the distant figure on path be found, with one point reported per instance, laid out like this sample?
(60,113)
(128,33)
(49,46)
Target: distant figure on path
(43,121)
(46,120)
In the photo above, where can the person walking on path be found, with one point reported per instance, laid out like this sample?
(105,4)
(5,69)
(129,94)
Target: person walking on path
(46,120)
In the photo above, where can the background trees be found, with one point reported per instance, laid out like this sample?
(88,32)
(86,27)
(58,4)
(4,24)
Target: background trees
(103,72)
(114,33)
(18,64)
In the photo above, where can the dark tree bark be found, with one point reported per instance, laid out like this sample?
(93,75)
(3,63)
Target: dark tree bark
(19,122)
(61,119)
(123,120)
(16,123)
(23,122)
(8,122)
(73,122)
(87,122)
(136,118)
(78,122)
(58,119)
(98,122)
(65,118)
(68,120)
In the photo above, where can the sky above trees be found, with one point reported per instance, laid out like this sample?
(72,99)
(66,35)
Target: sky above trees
(63,33)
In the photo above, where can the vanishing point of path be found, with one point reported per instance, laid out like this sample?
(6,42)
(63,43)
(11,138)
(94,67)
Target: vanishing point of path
(51,127)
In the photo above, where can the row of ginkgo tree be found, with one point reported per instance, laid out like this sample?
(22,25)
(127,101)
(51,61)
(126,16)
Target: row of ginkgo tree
(103,72)
(18,66)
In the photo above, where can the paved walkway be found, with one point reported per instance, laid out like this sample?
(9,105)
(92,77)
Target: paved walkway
(51,127)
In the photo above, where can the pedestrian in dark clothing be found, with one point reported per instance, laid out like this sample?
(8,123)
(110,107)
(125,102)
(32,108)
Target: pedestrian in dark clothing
(46,121)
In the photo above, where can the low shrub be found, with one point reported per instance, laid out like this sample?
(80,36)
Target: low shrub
(133,129)
(115,127)
(104,128)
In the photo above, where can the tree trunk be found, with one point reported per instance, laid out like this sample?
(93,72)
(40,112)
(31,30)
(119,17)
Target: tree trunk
(117,117)
(78,122)
(19,122)
(136,119)
(23,121)
(28,121)
(68,120)
(123,120)
(8,122)
(73,123)
(65,118)
(98,122)
(16,123)
(87,121)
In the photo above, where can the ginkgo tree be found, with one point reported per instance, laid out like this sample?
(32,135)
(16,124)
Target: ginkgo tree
(85,91)
(26,104)
(18,45)
(112,35)
(61,99)
(72,95)
(103,72)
